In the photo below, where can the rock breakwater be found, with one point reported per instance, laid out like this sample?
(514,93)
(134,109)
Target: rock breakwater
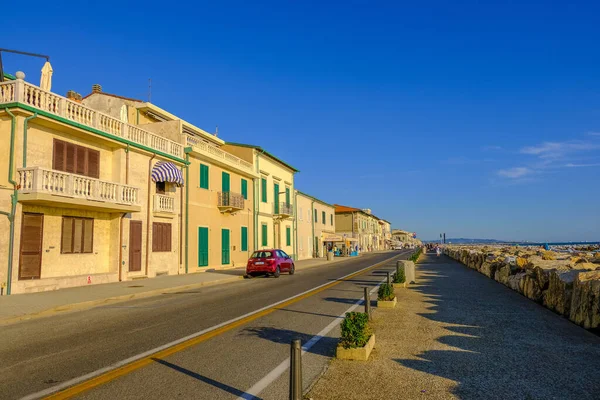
(568,284)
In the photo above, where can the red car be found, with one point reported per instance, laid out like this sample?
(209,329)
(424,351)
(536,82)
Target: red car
(269,262)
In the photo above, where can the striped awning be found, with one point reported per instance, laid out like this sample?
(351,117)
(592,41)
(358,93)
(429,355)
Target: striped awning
(167,172)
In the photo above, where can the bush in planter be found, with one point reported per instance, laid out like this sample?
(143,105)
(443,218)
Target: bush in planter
(385,293)
(399,276)
(415,256)
(356,331)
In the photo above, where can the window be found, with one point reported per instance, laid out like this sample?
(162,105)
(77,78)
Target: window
(287,196)
(265,239)
(77,235)
(160,187)
(300,214)
(323,217)
(316,218)
(331,217)
(283,254)
(69,157)
(244,244)
(245,189)
(203,176)
(161,237)
(288,236)
(263,190)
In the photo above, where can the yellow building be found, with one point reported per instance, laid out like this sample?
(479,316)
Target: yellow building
(80,190)
(219,217)
(315,220)
(362,225)
(274,217)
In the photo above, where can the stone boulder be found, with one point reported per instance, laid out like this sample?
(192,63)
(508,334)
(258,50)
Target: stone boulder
(530,287)
(514,281)
(585,301)
(560,289)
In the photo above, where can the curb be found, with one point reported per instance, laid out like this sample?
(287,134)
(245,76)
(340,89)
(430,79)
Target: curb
(63,309)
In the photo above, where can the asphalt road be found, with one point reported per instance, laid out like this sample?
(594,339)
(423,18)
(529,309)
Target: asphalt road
(41,354)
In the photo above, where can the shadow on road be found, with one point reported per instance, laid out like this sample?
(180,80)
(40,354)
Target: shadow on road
(209,381)
(325,347)
(504,345)
(306,312)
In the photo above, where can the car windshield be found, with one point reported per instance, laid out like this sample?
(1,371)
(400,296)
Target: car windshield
(262,254)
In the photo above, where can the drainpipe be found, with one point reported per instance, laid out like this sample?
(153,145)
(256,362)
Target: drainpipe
(187,202)
(13,201)
(296,222)
(148,213)
(25,128)
(312,223)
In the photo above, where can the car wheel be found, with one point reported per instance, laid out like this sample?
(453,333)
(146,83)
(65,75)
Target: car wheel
(277,273)
(248,276)
(293,269)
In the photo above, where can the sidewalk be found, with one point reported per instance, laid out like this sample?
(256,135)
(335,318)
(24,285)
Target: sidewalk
(456,334)
(19,307)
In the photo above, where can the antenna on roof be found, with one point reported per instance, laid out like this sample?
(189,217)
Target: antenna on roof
(217,131)
(149,90)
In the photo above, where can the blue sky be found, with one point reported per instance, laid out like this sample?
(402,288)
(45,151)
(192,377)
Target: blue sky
(478,120)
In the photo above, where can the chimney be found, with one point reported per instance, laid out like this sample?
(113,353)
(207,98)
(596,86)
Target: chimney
(73,95)
(96,88)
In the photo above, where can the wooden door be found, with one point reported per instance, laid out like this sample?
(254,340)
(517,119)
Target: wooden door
(32,233)
(135,246)
(202,247)
(225,252)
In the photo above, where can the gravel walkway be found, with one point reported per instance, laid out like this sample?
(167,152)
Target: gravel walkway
(458,334)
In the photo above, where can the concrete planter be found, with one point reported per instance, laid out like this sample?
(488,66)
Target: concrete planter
(359,354)
(387,304)
(399,285)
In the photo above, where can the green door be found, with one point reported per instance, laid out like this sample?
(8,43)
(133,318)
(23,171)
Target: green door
(202,247)
(224,246)
(225,182)
(276,198)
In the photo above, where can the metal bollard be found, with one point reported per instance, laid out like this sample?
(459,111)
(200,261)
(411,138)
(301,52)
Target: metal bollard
(368,304)
(296,370)
(389,279)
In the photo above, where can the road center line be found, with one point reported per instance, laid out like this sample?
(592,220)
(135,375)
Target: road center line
(104,375)
(261,385)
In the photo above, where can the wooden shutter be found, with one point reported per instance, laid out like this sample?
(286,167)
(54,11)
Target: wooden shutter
(263,183)
(67,235)
(288,236)
(58,156)
(77,235)
(80,160)
(245,189)
(161,237)
(244,244)
(30,260)
(88,235)
(93,163)
(70,157)
(168,238)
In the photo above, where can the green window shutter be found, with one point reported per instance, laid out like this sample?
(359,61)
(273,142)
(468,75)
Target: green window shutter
(263,187)
(316,218)
(287,196)
(265,240)
(288,236)
(245,189)
(331,217)
(202,247)
(323,217)
(225,246)
(276,197)
(225,182)
(244,244)
(204,176)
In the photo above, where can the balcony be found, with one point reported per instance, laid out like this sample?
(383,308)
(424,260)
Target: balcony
(282,210)
(230,202)
(62,189)
(31,95)
(221,157)
(164,203)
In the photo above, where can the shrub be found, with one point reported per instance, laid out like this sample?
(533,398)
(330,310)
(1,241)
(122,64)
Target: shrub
(386,292)
(415,256)
(399,276)
(355,330)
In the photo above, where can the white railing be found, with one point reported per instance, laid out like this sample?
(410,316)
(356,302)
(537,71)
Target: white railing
(205,147)
(164,203)
(26,93)
(44,180)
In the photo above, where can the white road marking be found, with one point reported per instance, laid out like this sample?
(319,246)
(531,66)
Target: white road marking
(261,385)
(119,364)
